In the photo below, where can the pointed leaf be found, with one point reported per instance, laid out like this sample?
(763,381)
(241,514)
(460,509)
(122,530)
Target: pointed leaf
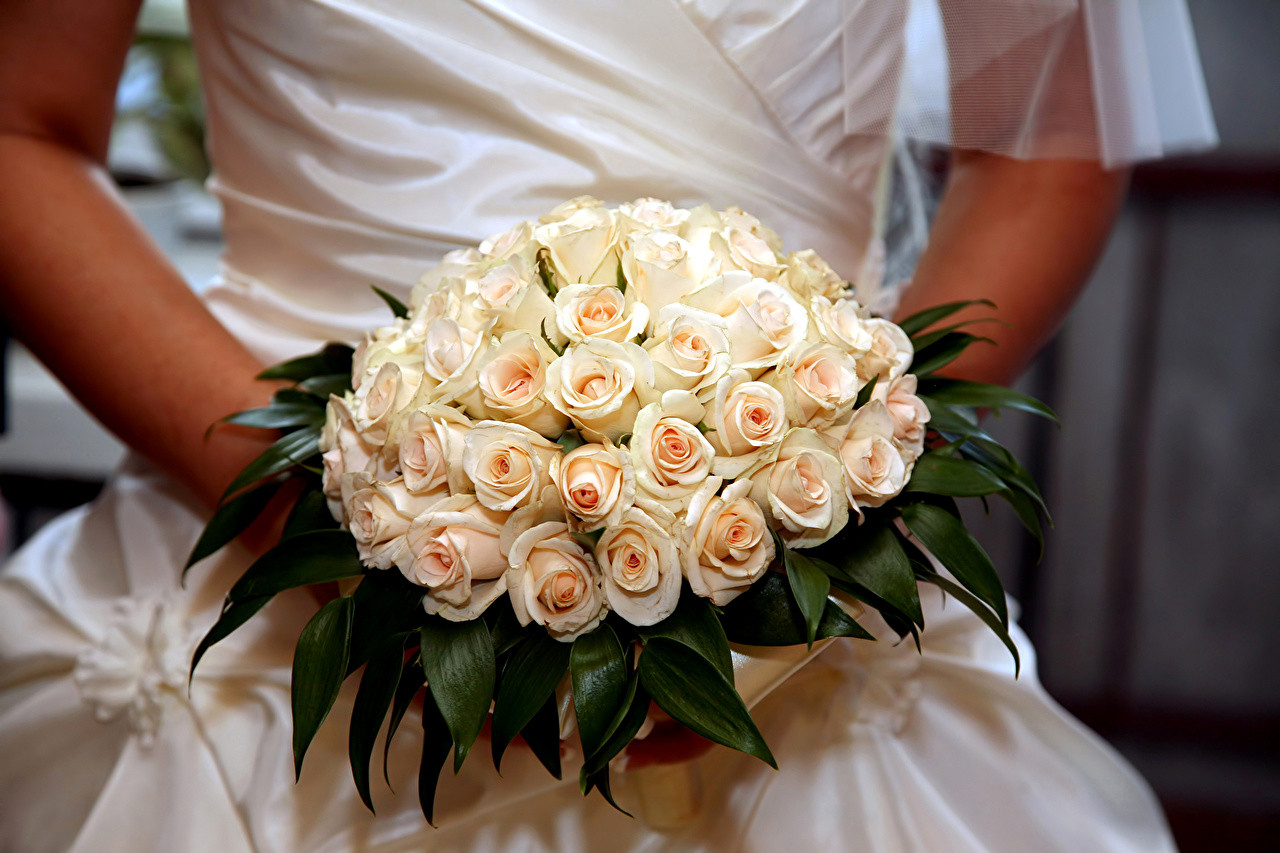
(542,735)
(929,316)
(323,386)
(397,307)
(865,392)
(230,520)
(411,681)
(598,666)
(234,614)
(324,555)
(621,279)
(293,449)
(373,700)
(695,694)
(983,612)
(622,730)
(458,660)
(279,416)
(386,605)
(695,625)
(946,538)
(436,743)
(937,474)
(319,667)
(981,395)
(334,358)
(600,781)
(309,513)
(767,615)
(943,351)
(535,668)
(504,626)
(809,586)
(872,558)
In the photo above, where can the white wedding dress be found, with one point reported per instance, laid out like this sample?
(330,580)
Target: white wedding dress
(358,140)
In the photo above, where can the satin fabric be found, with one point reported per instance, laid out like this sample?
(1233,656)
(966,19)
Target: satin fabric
(356,141)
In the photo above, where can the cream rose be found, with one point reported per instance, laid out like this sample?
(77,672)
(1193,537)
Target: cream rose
(724,542)
(910,415)
(379,515)
(554,582)
(599,311)
(641,568)
(582,245)
(670,457)
(874,470)
(839,323)
(739,249)
(452,353)
(890,354)
(651,214)
(510,242)
(343,450)
(689,351)
(810,276)
(800,488)
(430,444)
(508,464)
(744,418)
(819,384)
(566,209)
(600,386)
(661,269)
(512,379)
(513,298)
(596,484)
(762,319)
(379,400)
(735,217)
(454,551)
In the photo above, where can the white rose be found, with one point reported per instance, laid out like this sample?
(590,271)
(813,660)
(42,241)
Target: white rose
(744,418)
(508,464)
(910,415)
(840,324)
(596,484)
(554,582)
(430,444)
(600,386)
(599,311)
(565,209)
(739,249)
(735,217)
(809,276)
(725,544)
(512,379)
(379,515)
(651,214)
(452,353)
(799,487)
(343,449)
(454,551)
(661,269)
(890,354)
(819,384)
(460,263)
(641,568)
(510,242)
(874,470)
(763,320)
(689,351)
(513,298)
(670,457)
(582,245)
(379,400)
(389,343)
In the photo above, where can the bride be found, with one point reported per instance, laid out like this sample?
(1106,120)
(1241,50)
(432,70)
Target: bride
(356,141)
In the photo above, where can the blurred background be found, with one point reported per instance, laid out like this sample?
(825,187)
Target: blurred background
(1154,607)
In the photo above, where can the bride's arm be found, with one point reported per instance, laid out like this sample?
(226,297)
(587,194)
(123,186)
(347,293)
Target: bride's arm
(80,282)
(1024,234)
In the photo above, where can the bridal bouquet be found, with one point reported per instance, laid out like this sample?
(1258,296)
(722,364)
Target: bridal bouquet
(590,455)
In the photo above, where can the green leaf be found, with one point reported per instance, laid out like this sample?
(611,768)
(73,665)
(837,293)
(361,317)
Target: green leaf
(569,440)
(293,449)
(865,392)
(952,421)
(293,396)
(230,520)
(942,352)
(872,557)
(946,538)
(397,307)
(324,555)
(1025,509)
(373,700)
(598,666)
(622,730)
(458,660)
(946,475)
(279,416)
(809,585)
(411,681)
(504,626)
(981,395)
(558,350)
(436,743)
(323,386)
(544,271)
(695,625)
(995,623)
(309,513)
(319,667)
(697,695)
(622,278)
(767,615)
(600,781)
(535,668)
(386,605)
(897,620)
(542,735)
(929,316)
(334,358)
(234,614)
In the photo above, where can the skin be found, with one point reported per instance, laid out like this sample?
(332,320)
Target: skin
(85,289)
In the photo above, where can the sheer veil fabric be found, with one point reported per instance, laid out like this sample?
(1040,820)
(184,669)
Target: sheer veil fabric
(355,142)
